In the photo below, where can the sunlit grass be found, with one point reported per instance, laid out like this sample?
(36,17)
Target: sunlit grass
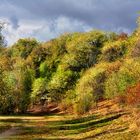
(65,126)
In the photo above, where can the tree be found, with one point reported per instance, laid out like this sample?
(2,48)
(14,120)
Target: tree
(39,90)
(27,78)
(7,99)
(23,47)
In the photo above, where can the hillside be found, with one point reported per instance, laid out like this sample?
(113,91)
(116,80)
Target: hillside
(75,70)
(94,73)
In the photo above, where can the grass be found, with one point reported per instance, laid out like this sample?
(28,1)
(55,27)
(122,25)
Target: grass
(66,127)
(4,127)
(84,124)
(114,125)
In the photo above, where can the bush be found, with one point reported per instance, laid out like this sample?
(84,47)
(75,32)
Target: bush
(113,51)
(118,82)
(84,56)
(68,101)
(136,49)
(45,71)
(61,81)
(83,50)
(8,98)
(39,89)
(132,46)
(84,102)
(93,83)
(24,47)
(37,56)
(27,78)
(133,95)
(90,88)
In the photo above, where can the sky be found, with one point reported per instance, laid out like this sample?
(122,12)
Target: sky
(47,19)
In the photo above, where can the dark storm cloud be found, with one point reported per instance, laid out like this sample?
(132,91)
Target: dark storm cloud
(115,15)
(96,13)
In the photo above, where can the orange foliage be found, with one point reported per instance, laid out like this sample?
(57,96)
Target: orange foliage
(122,36)
(133,95)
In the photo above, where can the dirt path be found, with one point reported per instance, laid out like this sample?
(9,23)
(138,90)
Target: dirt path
(9,132)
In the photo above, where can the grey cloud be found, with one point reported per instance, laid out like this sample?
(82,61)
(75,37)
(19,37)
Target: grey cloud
(115,15)
(14,21)
(93,12)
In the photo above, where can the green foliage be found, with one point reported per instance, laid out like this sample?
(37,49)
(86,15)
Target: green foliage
(83,56)
(36,57)
(113,51)
(27,78)
(18,86)
(44,71)
(76,70)
(24,47)
(68,101)
(5,99)
(6,63)
(9,99)
(135,51)
(128,75)
(133,45)
(39,89)
(83,50)
(56,50)
(112,36)
(90,88)
(61,81)
(84,103)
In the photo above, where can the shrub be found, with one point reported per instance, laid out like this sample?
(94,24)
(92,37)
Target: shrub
(93,83)
(133,95)
(68,101)
(136,49)
(83,50)
(90,88)
(24,47)
(39,89)
(5,98)
(27,78)
(84,102)
(37,56)
(113,51)
(112,36)
(122,36)
(61,81)
(84,56)
(45,71)
(118,82)
(133,46)
(56,49)
(9,98)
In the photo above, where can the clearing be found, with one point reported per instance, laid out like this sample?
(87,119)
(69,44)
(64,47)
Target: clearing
(108,121)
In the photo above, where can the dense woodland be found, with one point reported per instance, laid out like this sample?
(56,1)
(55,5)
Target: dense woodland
(75,70)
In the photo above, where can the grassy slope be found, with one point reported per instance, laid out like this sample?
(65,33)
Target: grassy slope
(107,121)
